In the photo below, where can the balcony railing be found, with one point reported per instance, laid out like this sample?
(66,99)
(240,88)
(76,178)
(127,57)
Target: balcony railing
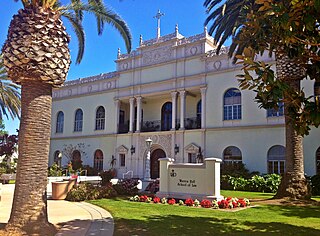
(123,128)
(157,125)
(151,126)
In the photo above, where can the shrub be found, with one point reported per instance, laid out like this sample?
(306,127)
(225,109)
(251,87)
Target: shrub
(90,170)
(153,187)
(267,183)
(106,176)
(236,170)
(87,191)
(272,182)
(315,185)
(126,187)
(55,170)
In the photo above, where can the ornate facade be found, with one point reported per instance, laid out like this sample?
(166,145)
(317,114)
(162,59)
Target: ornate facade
(177,91)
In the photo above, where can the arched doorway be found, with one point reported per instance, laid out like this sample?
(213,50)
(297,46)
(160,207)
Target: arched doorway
(154,167)
(76,160)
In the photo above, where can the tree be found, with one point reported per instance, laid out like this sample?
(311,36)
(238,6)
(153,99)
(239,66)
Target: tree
(69,150)
(8,146)
(36,55)
(258,29)
(9,95)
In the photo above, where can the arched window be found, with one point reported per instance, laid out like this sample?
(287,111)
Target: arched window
(276,113)
(318,161)
(232,155)
(60,120)
(199,109)
(98,160)
(78,120)
(57,157)
(76,160)
(276,159)
(166,116)
(232,104)
(100,118)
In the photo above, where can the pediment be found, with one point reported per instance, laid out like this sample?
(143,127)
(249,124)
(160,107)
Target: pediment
(192,148)
(122,149)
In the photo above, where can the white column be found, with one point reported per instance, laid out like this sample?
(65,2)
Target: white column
(174,110)
(182,108)
(138,113)
(117,112)
(203,107)
(131,120)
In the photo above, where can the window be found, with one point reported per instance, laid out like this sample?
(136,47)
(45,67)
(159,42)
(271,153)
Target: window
(78,120)
(232,155)
(276,159)
(98,160)
(199,109)
(232,104)
(100,118)
(276,113)
(192,157)
(57,158)
(60,120)
(318,161)
(122,158)
(166,116)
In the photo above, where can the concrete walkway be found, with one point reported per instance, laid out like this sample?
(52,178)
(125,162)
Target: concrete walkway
(74,218)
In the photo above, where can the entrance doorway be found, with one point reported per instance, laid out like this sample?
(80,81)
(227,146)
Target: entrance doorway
(155,155)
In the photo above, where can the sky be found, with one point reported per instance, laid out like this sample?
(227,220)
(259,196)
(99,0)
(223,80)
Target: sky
(101,51)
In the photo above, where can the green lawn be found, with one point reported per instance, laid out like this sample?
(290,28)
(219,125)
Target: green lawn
(134,218)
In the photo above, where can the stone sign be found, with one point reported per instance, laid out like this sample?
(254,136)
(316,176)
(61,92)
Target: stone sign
(186,180)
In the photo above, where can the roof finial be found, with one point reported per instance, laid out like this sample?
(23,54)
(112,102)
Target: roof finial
(158,16)
(205,30)
(140,42)
(119,53)
(177,29)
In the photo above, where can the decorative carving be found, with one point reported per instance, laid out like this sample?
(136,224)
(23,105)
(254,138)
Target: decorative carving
(162,140)
(192,148)
(213,53)
(157,55)
(92,79)
(122,149)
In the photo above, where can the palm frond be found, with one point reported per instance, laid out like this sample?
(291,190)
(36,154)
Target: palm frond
(79,31)
(9,95)
(104,15)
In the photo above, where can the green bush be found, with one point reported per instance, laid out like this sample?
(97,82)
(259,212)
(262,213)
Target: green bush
(54,170)
(315,185)
(87,191)
(268,183)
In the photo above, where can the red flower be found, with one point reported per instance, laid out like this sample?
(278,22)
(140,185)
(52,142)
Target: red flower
(228,199)
(205,203)
(156,200)
(189,202)
(171,201)
(223,204)
(242,202)
(143,198)
(234,204)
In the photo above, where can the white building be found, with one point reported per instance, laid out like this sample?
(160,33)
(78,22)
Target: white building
(177,91)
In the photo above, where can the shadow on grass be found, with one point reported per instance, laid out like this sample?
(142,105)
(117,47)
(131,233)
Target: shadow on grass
(182,225)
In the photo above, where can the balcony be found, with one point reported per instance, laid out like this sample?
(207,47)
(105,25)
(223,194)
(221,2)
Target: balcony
(158,125)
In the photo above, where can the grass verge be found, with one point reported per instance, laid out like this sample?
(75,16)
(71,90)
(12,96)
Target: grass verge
(134,218)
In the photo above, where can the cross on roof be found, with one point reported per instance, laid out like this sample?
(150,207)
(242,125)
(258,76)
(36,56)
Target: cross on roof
(158,16)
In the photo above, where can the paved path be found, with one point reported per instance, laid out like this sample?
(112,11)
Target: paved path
(76,218)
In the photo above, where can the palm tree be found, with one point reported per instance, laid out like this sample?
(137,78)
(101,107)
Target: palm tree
(228,19)
(36,55)
(9,95)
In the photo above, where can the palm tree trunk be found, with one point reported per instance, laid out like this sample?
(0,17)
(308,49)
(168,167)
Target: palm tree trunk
(293,183)
(29,209)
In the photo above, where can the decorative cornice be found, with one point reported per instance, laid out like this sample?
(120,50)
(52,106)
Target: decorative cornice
(90,79)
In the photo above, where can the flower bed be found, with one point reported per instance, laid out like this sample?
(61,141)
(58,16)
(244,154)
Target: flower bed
(227,203)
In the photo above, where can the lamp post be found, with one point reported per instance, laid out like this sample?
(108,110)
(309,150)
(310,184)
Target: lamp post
(147,170)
